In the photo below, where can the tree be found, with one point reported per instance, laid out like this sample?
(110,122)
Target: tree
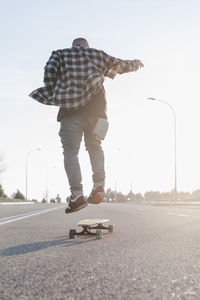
(110,195)
(184,196)
(131,196)
(43,200)
(46,195)
(165,196)
(2,169)
(196,195)
(58,199)
(2,164)
(18,195)
(138,197)
(152,196)
(2,194)
(121,197)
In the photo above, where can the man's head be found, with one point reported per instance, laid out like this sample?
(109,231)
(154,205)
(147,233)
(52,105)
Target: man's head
(80,42)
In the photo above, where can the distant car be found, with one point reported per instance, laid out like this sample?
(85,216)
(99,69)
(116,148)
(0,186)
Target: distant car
(52,201)
(34,200)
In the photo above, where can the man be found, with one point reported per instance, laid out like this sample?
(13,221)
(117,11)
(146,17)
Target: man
(73,80)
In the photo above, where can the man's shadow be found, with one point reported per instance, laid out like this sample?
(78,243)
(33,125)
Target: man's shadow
(32,247)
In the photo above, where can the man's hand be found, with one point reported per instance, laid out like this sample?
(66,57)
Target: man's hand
(138,64)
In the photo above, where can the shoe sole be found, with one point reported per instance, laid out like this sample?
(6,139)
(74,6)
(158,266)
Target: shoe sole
(98,198)
(77,209)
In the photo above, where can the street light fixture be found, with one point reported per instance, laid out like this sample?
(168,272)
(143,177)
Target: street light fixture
(174,115)
(27,170)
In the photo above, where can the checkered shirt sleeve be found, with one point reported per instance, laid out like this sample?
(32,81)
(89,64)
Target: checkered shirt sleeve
(116,66)
(52,69)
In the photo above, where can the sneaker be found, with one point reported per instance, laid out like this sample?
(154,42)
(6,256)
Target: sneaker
(75,204)
(96,195)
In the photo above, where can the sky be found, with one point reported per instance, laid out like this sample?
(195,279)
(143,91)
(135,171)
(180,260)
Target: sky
(139,146)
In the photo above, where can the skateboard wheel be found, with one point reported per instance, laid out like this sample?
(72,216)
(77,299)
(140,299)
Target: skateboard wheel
(72,233)
(110,228)
(99,234)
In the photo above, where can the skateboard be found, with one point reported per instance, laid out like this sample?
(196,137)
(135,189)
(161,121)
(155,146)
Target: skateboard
(88,227)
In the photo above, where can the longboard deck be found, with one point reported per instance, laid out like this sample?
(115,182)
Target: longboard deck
(90,222)
(88,227)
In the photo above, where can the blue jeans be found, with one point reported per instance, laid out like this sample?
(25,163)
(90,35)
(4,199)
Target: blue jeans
(72,129)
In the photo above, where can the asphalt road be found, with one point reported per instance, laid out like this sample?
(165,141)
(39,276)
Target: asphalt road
(154,253)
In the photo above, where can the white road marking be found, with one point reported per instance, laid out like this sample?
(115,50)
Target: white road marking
(176,214)
(18,203)
(183,215)
(27,215)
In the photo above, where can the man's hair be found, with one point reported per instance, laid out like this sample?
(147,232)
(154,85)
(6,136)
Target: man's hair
(80,42)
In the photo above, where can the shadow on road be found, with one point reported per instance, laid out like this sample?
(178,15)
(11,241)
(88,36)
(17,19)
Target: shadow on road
(32,247)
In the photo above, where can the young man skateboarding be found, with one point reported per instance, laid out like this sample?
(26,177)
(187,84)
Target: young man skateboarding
(73,80)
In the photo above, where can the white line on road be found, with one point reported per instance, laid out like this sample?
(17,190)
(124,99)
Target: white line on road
(27,215)
(176,214)
(182,215)
(16,203)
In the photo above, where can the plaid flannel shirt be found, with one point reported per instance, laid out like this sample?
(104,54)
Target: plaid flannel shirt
(74,75)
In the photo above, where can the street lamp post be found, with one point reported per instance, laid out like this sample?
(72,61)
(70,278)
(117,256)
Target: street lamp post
(174,115)
(47,177)
(27,170)
(131,191)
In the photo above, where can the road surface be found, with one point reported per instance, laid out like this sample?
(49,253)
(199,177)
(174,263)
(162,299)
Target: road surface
(154,253)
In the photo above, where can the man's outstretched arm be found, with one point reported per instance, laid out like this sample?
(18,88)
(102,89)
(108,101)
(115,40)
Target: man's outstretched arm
(114,66)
